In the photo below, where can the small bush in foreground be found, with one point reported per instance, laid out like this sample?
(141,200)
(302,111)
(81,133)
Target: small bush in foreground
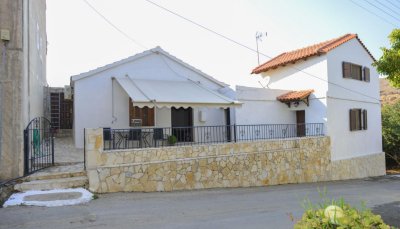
(333,214)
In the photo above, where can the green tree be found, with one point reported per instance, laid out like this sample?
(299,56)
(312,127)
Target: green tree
(389,63)
(391,131)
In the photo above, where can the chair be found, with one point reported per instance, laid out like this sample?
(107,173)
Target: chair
(107,134)
(135,135)
(158,135)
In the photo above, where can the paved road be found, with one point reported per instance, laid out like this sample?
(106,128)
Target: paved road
(264,207)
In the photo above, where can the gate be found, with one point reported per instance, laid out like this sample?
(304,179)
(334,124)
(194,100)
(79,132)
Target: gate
(38,145)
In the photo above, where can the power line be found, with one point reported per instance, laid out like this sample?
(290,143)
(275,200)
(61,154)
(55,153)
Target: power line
(216,33)
(114,26)
(371,12)
(380,3)
(379,8)
(251,49)
(391,3)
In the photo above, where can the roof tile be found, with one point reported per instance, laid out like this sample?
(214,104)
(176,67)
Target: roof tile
(303,53)
(294,95)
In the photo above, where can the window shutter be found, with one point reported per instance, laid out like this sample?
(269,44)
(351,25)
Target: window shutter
(352,121)
(366,74)
(365,120)
(346,67)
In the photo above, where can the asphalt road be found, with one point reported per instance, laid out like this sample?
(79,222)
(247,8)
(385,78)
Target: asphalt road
(263,207)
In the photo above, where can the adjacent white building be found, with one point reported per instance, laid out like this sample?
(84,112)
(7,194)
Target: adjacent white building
(150,89)
(332,82)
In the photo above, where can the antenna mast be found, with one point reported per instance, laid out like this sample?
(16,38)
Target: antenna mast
(259,35)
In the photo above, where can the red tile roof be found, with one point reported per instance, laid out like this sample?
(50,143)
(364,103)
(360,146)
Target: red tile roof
(294,95)
(303,53)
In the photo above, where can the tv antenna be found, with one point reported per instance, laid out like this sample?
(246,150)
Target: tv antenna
(259,35)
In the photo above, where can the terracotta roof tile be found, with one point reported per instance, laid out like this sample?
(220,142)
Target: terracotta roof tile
(294,95)
(303,53)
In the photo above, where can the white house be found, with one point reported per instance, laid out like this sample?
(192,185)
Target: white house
(150,89)
(332,82)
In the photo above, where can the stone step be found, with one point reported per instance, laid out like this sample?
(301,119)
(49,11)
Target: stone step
(61,183)
(54,175)
(57,172)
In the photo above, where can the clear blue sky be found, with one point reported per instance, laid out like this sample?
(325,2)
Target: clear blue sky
(79,40)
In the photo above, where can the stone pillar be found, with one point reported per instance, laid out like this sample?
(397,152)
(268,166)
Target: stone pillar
(93,149)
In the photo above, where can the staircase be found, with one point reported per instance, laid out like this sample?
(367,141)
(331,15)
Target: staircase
(57,177)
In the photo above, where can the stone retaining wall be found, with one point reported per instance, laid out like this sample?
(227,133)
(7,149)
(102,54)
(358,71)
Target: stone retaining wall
(244,164)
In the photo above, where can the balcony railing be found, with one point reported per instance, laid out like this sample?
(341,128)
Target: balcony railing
(196,135)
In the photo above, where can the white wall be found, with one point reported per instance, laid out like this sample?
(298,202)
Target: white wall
(94,99)
(261,107)
(346,143)
(290,78)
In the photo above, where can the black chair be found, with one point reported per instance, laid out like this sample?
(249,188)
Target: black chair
(158,135)
(107,134)
(135,135)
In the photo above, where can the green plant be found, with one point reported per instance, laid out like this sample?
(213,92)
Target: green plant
(389,63)
(172,140)
(337,214)
(391,131)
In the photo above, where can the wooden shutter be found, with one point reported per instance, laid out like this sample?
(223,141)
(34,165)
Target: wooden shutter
(366,74)
(352,121)
(145,114)
(346,67)
(356,71)
(365,120)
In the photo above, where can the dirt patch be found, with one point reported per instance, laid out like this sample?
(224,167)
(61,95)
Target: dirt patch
(5,192)
(389,212)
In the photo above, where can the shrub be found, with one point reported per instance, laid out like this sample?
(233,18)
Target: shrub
(333,214)
(391,131)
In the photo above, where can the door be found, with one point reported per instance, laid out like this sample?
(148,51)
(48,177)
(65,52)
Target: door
(182,122)
(301,123)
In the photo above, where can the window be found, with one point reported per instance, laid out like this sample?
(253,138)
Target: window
(355,71)
(145,114)
(358,119)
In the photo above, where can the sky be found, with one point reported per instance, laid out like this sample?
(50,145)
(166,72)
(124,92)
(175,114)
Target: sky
(80,40)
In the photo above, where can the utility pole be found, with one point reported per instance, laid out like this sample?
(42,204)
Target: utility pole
(259,35)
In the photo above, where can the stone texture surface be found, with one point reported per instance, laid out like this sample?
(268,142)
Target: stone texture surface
(259,163)
(65,151)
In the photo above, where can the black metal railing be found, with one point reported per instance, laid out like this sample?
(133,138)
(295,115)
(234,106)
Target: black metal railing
(196,135)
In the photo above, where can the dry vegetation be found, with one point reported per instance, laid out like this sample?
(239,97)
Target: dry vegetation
(389,94)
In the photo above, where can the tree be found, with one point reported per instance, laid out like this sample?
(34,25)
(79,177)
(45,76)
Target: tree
(389,63)
(391,131)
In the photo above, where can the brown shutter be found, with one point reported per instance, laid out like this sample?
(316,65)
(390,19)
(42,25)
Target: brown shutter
(150,116)
(365,120)
(366,74)
(351,118)
(346,67)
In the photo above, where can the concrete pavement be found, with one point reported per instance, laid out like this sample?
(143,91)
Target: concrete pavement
(263,207)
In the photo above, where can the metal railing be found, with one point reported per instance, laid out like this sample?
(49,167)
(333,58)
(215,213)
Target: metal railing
(196,135)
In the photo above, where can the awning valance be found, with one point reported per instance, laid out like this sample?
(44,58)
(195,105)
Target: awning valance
(177,94)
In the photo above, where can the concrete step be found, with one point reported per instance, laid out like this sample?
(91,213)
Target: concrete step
(54,175)
(57,172)
(60,183)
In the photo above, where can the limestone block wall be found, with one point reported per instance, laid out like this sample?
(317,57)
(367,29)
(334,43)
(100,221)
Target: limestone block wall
(244,164)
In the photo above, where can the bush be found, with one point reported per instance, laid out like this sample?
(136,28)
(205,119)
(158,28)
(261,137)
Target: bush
(391,131)
(338,215)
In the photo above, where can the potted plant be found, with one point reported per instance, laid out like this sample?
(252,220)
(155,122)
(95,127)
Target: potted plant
(171,140)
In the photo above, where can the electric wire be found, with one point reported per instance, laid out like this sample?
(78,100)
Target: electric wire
(371,12)
(222,36)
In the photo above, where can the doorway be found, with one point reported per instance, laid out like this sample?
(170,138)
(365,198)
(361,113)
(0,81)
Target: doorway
(182,123)
(301,123)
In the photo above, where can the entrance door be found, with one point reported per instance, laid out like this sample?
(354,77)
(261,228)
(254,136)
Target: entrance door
(301,123)
(182,122)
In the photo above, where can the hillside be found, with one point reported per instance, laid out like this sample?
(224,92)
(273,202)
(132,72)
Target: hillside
(389,94)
